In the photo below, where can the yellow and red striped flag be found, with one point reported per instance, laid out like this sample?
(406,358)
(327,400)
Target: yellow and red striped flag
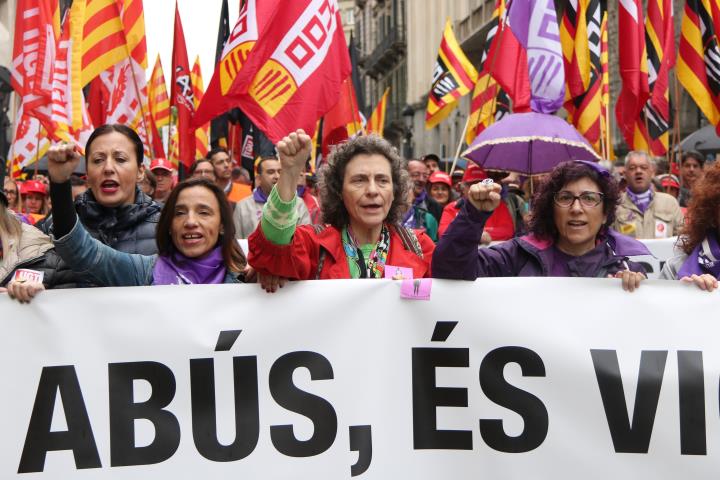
(158,100)
(576,46)
(581,38)
(376,123)
(653,125)
(202,134)
(698,46)
(489,103)
(453,77)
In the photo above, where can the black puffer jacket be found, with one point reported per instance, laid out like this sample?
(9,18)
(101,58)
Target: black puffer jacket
(35,251)
(130,228)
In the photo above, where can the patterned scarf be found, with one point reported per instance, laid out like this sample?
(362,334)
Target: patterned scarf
(375,266)
(641,200)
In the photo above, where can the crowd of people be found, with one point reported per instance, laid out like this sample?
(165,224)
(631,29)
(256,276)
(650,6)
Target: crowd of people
(120,223)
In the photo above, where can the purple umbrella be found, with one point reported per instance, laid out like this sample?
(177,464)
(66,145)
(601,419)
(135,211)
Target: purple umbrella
(529,143)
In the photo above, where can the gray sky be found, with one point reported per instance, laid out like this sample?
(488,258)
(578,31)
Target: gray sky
(200,19)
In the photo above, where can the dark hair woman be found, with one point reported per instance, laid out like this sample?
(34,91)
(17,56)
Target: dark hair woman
(195,236)
(698,261)
(114,209)
(569,232)
(363,193)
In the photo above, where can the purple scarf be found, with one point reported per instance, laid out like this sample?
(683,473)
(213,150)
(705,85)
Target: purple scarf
(409,220)
(177,269)
(705,258)
(259,195)
(641,200)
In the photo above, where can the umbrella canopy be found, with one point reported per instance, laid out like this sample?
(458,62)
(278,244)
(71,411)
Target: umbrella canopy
(704,140)
(529,143)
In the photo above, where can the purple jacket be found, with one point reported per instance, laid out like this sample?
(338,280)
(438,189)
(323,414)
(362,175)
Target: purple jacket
(457,255)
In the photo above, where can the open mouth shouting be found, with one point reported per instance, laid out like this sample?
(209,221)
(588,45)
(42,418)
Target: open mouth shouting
(109,187)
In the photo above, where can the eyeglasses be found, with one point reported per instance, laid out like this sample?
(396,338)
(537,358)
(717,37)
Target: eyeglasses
(565,199)
(10,192)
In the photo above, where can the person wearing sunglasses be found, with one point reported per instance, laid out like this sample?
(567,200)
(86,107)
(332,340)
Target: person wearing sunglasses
(569,232)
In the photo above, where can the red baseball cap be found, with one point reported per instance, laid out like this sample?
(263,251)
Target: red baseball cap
(162,164)
(33,186)
(440,177)
(669,182)
(474,173)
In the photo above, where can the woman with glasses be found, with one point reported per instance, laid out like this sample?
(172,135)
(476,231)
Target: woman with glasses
(12,193)
(568,232)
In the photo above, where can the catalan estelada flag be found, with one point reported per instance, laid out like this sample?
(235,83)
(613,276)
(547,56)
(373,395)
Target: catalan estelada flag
(376,123)
(158,99)
(453,77)
(698,65)
(202,134)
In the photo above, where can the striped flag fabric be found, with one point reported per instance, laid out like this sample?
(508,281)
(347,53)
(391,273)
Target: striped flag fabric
(698,64)
(376,122)
(202,134)
(453,77)
(583,100)
(489,102)
(651,129)
(576,46)
(98,36)
(633,68)
(158,100)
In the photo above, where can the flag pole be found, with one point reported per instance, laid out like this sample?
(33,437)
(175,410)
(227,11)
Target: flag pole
(676,122)
(457,152)
(501,28)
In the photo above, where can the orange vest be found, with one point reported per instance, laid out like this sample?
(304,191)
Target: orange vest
(238,191)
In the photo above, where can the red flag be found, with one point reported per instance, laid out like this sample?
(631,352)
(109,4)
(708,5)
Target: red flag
(296,70)
(251,25)
(343,120)
(181,96)
(633,68)
(510,68)
(33,55)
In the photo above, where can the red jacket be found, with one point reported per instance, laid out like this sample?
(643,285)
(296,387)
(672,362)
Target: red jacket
(499,226)
(299,260)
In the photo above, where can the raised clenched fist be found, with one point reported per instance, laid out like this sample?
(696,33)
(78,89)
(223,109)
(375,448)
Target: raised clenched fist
(294,151)
(485,196)
(63,159)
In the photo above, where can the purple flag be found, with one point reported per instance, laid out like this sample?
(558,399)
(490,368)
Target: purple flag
(534,23)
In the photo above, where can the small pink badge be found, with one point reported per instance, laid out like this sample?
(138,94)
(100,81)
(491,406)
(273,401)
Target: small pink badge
(417,289)
(24,275)
(398,273)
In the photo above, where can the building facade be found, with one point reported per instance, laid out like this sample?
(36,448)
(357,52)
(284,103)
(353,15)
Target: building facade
(381,35)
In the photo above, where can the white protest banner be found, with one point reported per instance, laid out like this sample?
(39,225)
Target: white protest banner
(662,250)
(511,378)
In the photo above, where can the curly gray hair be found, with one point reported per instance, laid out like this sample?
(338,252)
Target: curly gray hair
(333,174)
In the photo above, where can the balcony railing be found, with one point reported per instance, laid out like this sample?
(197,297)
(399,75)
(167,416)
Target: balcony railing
(387,52)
